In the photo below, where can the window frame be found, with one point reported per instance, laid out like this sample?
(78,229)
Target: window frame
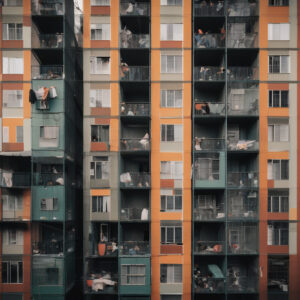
(167,229)
(171,133)
(100,131)
(11,203)
(166,198)
(273,176)
(129,275)
(277,1)
(12,34)
(280,100)
(97,4)
(97,205)
(272,64)
(168,97)
(173,70)
(175,30)
(276,132)
(278,233)
(20,274)
(104,163)
(12,65)
(97,63)
(102,30)
(18,99)
(281,204)
(55,206)
(167,3)
(102,98)
(176,268)
(174,165)
(9,2)
(276,28)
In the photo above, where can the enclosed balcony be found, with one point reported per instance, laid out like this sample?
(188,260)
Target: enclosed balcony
(48,174)
(209,109)
(134,214)
(134,73)
(242,8)
(242,179)
(209,73)
(135,109)
(50,72)
(204,9)
(101,276)
(242,238)
(137,8)
(14,179)
(48,41)
(47,7)
(209,206)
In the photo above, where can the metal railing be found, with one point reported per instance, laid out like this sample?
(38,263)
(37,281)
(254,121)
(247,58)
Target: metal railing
(214,108)
(51,247)
(242,9)
(242,73)
(134,109)
(51,40)
(134,214)
(134,248)
(209,247)
(209,73)
(242,179)
(140,144)
(47,7)
(204,144)
(242,284)
(134,40)
(135,179)
(207,10)
(14,215)
(243,145)
(10,179)
(245,106)
(209,213)
(47,72)
(210,40)
(48,179)
(127,8)
(208,284)
(134,73)
(245,40)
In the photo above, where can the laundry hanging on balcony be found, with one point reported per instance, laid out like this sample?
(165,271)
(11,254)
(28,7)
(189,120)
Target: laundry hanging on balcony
(43,95)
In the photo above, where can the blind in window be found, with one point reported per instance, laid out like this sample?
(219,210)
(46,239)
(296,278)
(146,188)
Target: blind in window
(100,98)
(12,98)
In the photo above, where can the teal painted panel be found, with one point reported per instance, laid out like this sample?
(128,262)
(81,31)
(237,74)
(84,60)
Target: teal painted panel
(45,192)
(135,289)
(56,105)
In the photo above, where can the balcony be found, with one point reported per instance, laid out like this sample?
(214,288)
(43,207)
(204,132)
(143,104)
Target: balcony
(209,213)
(209,73)
(47,72)
(127,8)
(237,8)
(242,179)
(241,284)
(205,10)
(242,73)
(134,248)
(209,247)
(134,214)
(11,179)
(48,179)
(14,214)
(134,73)
(243,145)
(206,109)
(207,284)
(135,180)
(134,41)
(209,144)
(135,145)
(47,41)
(245,106)
(135,109)
(47,8)
(209,40)
(244,40)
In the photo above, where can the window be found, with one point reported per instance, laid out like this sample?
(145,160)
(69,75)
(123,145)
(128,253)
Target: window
(278,2)
(100,32)
(49,136)
(5,134)
(133,274)
(49,204)
(99,168)
(278,32)
(12,31)
(170,234)
(171,64)
(13,65)
(13,2)
(278,132)
(278,233)
(171,133)
(12,237)
(170,200)
(12,296)
(278,98)
(171,273)
(100,204)
(278,169)
(12,98)
(19,134)
(207,167)
(279,64)
(278,271)
(100,65)
(100,133)
(100,2)
(12,203)
(278,201)
(100,98)
(171,98)
(171,2)
(171,170)
(171,32)
(12,272)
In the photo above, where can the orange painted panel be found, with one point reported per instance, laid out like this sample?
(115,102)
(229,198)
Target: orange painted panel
(171,44)
(171,249)
(100,111)
(102,121)
(12,44)
(100,44)
(12,147)
(167,183)
(100,192)
(98,146)
(100,10)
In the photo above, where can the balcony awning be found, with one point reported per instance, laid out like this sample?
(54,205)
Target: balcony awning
(216,271)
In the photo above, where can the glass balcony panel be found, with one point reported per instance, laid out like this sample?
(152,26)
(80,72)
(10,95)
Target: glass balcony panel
(204,9)
(241,8)
(11,179)
(141,144)
(242,40)
(215,109)
(245,103)
(47,7)
(134,73)
(242,73)
(47,72)
(134,248)
(209,247)
(129,8)
(134,109)
(134,214)
(241,284)
(210,40)
(134,40)
(135,179)
(242,179)
(208,73)
(50,41)
(48,179)
(208,284)
(243,145)
(209,144)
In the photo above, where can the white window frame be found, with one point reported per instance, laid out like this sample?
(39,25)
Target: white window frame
(126,276)
(271,170)
(100,128)
(8,275)
(99,66)
(177,133)
(169,228)
(12,31)
(12,237)
(170,62)
(272,229)
(279,32)
(276,132)
(171,2)
(281,205)
(100,2)
(171,32)
(171,98)
(51,133)
(272,95)
(173,268)
(100,32)
(167,197)
(49,204)
(174,170)
(11,203)
(12,99)
(100,98)
(104,163)
(281,65)
(12,65)
(101,204)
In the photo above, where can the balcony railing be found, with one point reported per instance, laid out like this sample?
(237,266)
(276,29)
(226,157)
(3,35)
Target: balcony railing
(242,73)
(242,9)
(134,109)
(134,40)
(134,248)
(209,73)
(245,106)
(47,7)
(135,179)
(207,10)
(134,73)
(209,247)
(129,8)
(47,72)
(242,179)
(14,215)
(48,179)
(243,145)
(208,284)
(51,40)
(51,247)
(245,40)
(210,40)
(209,213)
(242,284)
(10,179)
(134,214)
(209,144)
(209,108)
(141,144)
